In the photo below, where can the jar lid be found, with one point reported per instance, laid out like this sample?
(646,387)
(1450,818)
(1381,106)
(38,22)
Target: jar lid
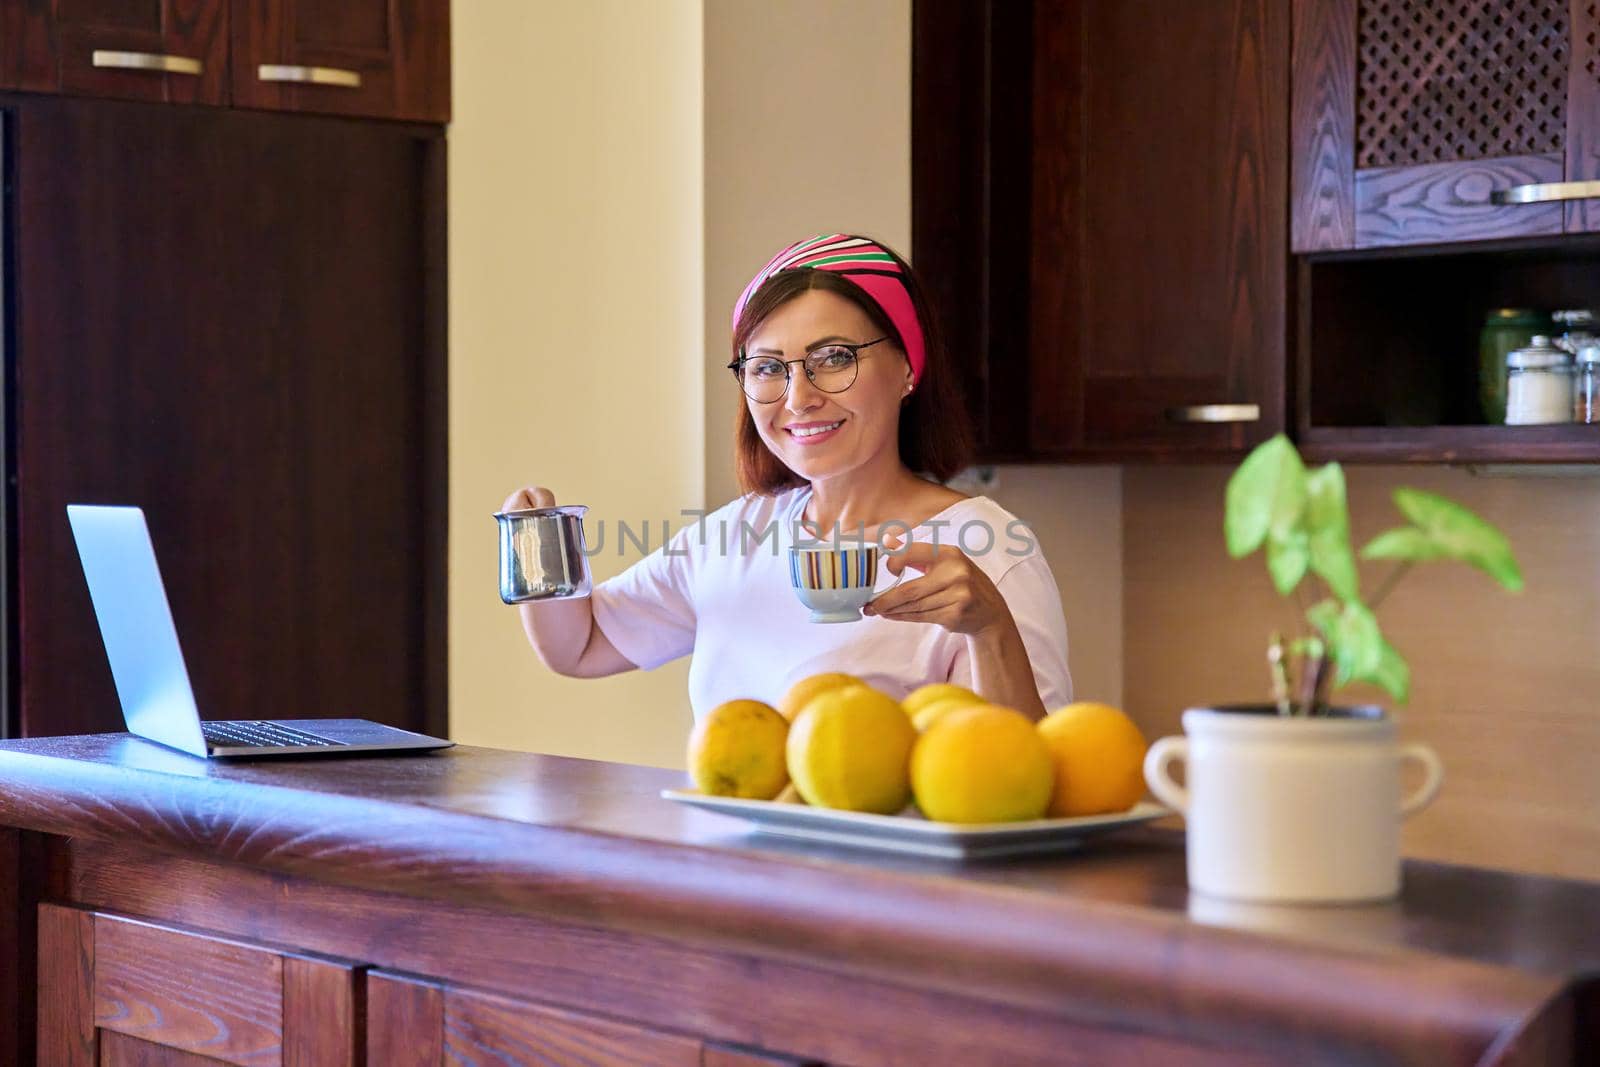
(1513,317)
(1539,354)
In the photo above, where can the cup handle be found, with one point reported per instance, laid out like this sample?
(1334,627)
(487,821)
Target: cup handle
(1430,786)
(1161,784)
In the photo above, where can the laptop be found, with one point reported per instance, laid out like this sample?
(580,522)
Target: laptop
(130,603)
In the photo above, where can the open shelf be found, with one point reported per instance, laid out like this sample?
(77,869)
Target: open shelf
(1387,350)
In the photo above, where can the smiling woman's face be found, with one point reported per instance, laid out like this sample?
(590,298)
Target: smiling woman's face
(857,425)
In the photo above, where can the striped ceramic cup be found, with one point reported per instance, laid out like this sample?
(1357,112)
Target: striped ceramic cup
(834,579)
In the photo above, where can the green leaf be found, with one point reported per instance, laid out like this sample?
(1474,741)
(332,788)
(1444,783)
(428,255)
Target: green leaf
(1460,534)
(1265,495)
(1391,673)
(1354,640)
(1327,520)
(1404,543)
(1287,560)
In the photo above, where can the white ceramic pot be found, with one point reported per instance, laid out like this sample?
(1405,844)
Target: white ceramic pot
(1291,809)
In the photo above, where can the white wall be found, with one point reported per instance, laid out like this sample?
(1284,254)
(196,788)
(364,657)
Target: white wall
(576,348)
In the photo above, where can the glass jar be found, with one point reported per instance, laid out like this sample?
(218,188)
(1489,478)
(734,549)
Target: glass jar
(1587,406)
(1504,330)
(1538,384)
(1577,327)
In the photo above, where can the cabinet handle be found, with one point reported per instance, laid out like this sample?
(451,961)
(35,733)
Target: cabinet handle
(151,61)
(276,72)
(1216,413)
(1541,193)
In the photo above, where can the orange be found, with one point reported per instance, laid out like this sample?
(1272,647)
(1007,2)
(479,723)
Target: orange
(850,748)
(980,764)
(737,750)
(1099,759)
(801,692)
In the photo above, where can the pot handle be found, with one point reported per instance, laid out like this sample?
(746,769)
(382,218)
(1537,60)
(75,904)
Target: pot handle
(1430,786)
(1161,784)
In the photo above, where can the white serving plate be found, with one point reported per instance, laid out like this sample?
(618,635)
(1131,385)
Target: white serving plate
(910,833)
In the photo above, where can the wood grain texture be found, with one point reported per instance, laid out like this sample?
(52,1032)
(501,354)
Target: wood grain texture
(1322,134)
(1501,685)
(713,1054)
(65,1002)
(27,46)
(675,984)
(1056,299)
(323,1013)
(480,1027)
(400,48)
(267,346)
(192,29)
(971,127)
(1439,202)
(189,992)
(574,845)
(1452,444)
(404,1020)
(1583,113)
(120,1050)
(1159,259)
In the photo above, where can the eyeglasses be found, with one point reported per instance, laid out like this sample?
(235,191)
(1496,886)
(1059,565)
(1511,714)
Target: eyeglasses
(831,368)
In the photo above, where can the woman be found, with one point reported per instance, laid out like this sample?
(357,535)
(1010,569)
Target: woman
(846,395)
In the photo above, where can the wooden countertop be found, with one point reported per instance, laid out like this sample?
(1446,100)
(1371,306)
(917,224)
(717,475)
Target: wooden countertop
(1485,966)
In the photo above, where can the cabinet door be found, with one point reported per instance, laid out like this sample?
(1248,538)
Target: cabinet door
(120,991)
(1159,252)
(415,1023)
(1414,119)
(170,50)
(239,334)
(382,58)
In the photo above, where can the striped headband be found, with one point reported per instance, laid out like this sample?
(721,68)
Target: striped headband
(866,264)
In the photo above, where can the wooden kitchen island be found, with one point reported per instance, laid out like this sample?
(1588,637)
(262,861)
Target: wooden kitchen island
(479,906)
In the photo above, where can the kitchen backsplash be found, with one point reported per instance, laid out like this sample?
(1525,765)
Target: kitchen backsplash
(1504,687)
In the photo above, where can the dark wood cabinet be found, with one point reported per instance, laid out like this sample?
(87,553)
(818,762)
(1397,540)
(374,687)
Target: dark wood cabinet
(1413,117)
(378,58)
(373,58)
(114,990)
(244,335)
(1117,262)
(168,50)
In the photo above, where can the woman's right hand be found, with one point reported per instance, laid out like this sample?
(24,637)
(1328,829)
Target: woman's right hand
(533,496)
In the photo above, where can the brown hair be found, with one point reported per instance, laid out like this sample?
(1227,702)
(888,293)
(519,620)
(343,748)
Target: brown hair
(935,429)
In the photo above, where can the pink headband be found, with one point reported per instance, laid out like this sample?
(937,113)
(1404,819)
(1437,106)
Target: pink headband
(869,266)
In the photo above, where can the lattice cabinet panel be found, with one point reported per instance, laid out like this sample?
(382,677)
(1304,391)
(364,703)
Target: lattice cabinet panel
(1446,80)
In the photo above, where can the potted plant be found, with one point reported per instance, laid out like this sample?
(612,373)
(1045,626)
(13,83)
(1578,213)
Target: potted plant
(1299,800)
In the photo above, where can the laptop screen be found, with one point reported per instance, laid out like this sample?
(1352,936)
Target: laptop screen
(130,603)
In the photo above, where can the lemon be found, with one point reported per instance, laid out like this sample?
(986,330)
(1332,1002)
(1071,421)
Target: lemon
(850,748)
(981,763)
(934,692)
(801,692)
(1099,759)
(932,712)
(737,750)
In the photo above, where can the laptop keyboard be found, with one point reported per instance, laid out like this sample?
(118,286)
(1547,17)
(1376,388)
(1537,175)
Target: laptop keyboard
(259,734)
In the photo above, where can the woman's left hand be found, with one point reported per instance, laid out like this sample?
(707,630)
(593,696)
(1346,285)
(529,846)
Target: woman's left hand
(952,592)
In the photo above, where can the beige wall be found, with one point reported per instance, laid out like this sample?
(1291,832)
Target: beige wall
(576,278)
(1503,686)
(808,130)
